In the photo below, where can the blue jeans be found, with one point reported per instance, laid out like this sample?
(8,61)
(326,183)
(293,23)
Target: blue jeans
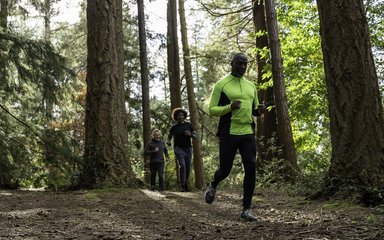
(184,159)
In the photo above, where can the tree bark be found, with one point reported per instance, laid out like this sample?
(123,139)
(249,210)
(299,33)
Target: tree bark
(173,61)
(4,25)
(47,20)
(106,159)
(173,55)
(4,14)
(194,114)
(266,124)
(355,106)
(283,121)
(144,85)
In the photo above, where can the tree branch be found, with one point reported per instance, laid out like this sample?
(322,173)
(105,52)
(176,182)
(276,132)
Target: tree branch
(20,121)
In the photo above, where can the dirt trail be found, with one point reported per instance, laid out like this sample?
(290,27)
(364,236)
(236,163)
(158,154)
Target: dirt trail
(143,214)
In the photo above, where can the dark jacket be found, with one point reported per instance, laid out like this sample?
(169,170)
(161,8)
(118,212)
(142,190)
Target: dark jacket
(156,156)
(178,132)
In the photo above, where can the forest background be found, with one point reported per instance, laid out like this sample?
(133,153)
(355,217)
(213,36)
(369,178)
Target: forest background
(43,90)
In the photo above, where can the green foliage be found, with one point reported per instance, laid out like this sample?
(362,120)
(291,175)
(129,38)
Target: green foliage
(312,165)
(380,209)
(269,174)
(335,205)
(375,17)
(7,166)
(38,82)
(304,74)
(343,205)
(170,172)
(35,62)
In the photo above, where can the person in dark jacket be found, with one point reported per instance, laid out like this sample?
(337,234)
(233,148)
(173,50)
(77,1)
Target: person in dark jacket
(156,150)
(182,132)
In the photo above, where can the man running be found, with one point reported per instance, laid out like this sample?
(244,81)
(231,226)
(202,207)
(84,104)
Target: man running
(234,99)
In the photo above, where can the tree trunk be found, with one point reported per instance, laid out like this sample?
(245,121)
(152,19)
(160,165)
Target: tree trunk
(47,20)
(355,107)
(283,121)
(48,102)
(173,55)
(4,14)
(194,114)
(173,61)
(266,124)
(144,85)
(4,25)
(106,159)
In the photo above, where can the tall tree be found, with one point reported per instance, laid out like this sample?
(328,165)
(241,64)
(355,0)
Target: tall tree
(3,28)
(48,99)
(284,124)
(355,105)
(173,55)
(144,84)
(194,114)
(47,20)
(106,139)
(173,60)
(266,124)
(4,14)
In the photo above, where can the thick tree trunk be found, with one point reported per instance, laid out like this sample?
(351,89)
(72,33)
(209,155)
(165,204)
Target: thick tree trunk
(283,121)
(194,115)
(106,159)
(355,107)
(266,124)
(173,56)
(144,85)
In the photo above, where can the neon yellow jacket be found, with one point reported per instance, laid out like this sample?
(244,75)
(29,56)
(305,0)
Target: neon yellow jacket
(239,121)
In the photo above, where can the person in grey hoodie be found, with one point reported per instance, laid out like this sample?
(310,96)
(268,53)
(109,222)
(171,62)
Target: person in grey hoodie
(156,150)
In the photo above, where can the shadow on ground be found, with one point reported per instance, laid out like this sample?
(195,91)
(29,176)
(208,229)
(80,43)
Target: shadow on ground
(143,214)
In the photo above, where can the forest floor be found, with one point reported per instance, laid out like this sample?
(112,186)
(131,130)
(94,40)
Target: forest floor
(144,214)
